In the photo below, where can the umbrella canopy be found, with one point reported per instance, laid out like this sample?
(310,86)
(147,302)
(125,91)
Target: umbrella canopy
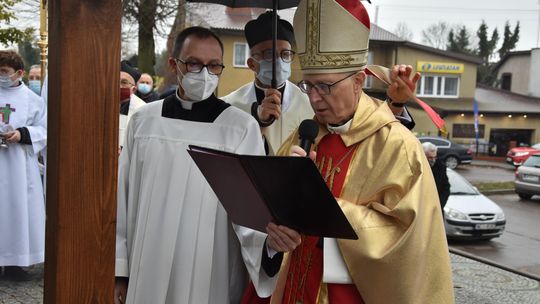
(281,4)
(274,5)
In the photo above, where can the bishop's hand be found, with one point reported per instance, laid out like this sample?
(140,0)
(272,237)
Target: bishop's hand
(298,151)
(403,86)
(281,238)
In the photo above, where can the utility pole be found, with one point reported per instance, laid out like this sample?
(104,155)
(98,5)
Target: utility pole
(538,30)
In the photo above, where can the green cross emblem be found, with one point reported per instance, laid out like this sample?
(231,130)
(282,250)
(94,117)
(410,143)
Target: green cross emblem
(6,112)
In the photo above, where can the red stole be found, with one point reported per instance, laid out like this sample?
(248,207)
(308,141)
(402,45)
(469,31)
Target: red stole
(306,261)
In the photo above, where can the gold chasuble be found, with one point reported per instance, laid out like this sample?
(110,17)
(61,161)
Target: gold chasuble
(378,172)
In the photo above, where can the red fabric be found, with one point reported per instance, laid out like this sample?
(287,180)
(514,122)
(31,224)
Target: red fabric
(344,293)
(437,120)
(250,296)
(331,146)
(305,273)
(357,9)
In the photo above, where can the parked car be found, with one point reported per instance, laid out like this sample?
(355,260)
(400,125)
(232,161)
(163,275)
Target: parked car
(451,153)
(469,214)
(516,156)
(527,181)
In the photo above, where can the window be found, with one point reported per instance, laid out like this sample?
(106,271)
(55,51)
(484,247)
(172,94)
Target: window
(506,81)
(369,79)
(437,142)
(438,86)
(467,130)
(240,55)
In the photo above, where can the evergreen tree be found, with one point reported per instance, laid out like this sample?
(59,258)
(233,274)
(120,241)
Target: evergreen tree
(459,43)
(510,39)
(486,48)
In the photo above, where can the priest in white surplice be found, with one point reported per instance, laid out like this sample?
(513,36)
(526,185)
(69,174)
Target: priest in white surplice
(278,111)
(175,243)
(129,102)
(23,117)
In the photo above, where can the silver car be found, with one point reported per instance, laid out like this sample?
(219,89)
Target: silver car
(527,181)
(469,214)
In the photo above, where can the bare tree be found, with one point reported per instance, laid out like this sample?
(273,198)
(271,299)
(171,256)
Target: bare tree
(436,35)
(151,17)
(403,31)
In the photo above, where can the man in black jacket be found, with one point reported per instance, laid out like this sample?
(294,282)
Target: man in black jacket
(439,172)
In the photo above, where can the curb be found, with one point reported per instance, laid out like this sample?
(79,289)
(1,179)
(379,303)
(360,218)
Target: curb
(498,191)
(494,264)
(499,166)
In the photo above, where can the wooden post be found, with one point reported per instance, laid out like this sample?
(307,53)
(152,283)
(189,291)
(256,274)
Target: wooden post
(83,101)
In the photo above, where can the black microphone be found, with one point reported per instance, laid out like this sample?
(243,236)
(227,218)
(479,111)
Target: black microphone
(308,130)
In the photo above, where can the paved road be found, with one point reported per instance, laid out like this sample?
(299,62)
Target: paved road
(487,172)
(519,246)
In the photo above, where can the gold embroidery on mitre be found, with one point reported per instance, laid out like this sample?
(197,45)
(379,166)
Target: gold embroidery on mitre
(313,58)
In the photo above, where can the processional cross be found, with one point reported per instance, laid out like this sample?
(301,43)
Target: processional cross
(6,113)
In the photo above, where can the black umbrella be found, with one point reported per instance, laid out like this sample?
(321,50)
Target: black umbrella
(275,5)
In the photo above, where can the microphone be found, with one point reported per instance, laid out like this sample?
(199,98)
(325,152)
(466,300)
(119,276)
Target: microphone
(308,130)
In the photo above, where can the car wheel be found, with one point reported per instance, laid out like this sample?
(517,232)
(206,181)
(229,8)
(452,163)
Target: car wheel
(451,162)
(525,195)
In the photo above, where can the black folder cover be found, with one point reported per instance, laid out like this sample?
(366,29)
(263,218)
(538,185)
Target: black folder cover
(290,191)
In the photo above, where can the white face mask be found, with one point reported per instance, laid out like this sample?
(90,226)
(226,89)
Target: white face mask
(198,86)
(6,81)
(283,72)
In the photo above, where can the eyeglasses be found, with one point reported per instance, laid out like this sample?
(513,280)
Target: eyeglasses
(322,88)
(196,67)
(285,55)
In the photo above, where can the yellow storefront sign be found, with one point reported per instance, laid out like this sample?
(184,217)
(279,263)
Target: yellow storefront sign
(440,67)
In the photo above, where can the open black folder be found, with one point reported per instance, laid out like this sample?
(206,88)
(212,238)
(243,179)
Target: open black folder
(290,191)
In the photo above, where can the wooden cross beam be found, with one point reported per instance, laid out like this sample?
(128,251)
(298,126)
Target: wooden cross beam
(83,101)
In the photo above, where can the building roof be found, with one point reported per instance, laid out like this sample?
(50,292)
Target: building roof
(220,17)
(511,54)
(490,100)
(455,55)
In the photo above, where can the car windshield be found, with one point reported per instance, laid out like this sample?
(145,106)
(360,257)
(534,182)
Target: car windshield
(533,161)
(459,185)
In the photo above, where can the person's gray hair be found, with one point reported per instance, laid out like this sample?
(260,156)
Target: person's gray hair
(35,66)
(429,147)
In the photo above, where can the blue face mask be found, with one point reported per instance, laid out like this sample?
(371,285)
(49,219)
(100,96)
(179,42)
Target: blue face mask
(35,85)
(283,72)
(144,88)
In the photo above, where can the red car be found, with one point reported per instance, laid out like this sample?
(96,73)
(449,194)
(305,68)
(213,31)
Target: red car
(516,156)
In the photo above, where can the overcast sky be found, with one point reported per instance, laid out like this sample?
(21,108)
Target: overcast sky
(419,14)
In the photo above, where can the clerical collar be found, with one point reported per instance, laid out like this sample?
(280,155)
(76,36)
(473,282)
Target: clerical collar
(202,111)
(186,104)
(261,88)
(339,129)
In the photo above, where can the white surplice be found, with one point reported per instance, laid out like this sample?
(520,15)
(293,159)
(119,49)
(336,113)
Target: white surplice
(22,207)
(134,104)
(174,239)
(295,107)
